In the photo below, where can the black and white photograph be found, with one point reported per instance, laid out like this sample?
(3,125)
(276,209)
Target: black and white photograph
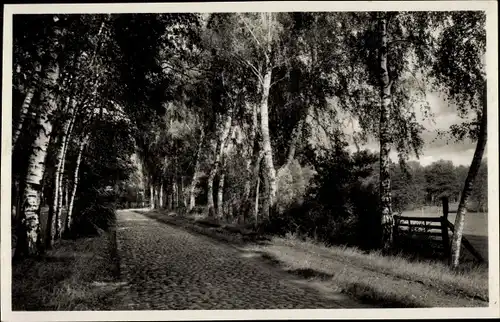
(293,160)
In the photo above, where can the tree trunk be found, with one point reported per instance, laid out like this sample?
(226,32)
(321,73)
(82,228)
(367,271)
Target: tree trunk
(173,194)
(66,193)
(256,204)
(230,209)
(25,108)
(456,240)
(220,196)
(62,163)
(76,176)
(30,232)
(251,163)
(170,200)
(266,140)
(215,167)
(158,202)
(58,183)
(220,191)
(265,203)
(176,194)
(194,181)
(151,197)
(183,198)
(61,158)
(161,195)
(50,223)
(157,197)
(297,131)
(385,178)
(210,192)
(258,156)
(165,197)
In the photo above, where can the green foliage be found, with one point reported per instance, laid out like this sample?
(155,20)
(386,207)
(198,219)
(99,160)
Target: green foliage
(94,212)
(408,186)
(441,182)
(479,196)
(459,68)
(106,163)
(340,202)
(293,181)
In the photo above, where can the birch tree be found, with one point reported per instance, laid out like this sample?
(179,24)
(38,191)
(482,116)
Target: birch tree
(255,41)
(459,70)
(30,236)
(394,48)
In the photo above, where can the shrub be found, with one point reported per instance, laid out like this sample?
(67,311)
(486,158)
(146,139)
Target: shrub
(336,203)
(94,212)
(293,181)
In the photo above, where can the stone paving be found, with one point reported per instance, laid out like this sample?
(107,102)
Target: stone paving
(167,268)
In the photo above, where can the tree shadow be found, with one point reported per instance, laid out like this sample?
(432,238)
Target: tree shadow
(309,273)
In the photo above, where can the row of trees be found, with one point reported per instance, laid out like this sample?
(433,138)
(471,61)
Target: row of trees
(64,105)
(416,185)
(229,102)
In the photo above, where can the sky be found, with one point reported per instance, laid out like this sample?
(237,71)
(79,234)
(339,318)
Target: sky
(436,148)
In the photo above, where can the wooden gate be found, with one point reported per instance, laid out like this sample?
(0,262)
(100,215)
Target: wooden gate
(430,232)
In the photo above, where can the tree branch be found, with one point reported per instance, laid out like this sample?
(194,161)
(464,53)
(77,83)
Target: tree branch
(279,80)
(398,41)
(180,71)
(252,67)
(250,30)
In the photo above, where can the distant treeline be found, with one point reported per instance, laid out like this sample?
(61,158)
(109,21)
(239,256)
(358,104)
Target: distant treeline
(416,185)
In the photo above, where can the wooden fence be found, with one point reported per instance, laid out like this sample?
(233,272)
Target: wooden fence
(436,229)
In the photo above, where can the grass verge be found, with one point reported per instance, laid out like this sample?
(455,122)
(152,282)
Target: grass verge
(388,281)
(77,274)
(225,233)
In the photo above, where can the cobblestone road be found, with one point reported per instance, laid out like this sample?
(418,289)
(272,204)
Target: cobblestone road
(167,268)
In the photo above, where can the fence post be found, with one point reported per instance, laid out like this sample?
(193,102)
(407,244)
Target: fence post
(444,228)
(395,230)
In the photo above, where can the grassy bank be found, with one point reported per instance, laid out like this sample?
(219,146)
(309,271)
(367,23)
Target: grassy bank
(76,275)
(391,281)
(388,281)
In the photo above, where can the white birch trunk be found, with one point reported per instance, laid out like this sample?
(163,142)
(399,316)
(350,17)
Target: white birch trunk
(183,194)
(220,191)
(151,197)
(30,237)
(456,240)
(76,177)
(385,178)
(66,141)
(220,197)
(61,161)
(256,204)
(66,194)
(215,167)
(161,195)
(176,194)
(266,140)
(24,112)
(26,106)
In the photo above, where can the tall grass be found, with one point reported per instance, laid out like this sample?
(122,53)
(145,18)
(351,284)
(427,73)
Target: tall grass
(470,280)
(76,275)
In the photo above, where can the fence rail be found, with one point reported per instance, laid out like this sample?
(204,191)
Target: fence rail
(430,219)
(424,226)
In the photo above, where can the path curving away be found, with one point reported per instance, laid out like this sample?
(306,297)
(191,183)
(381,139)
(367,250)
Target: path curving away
(168,268)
